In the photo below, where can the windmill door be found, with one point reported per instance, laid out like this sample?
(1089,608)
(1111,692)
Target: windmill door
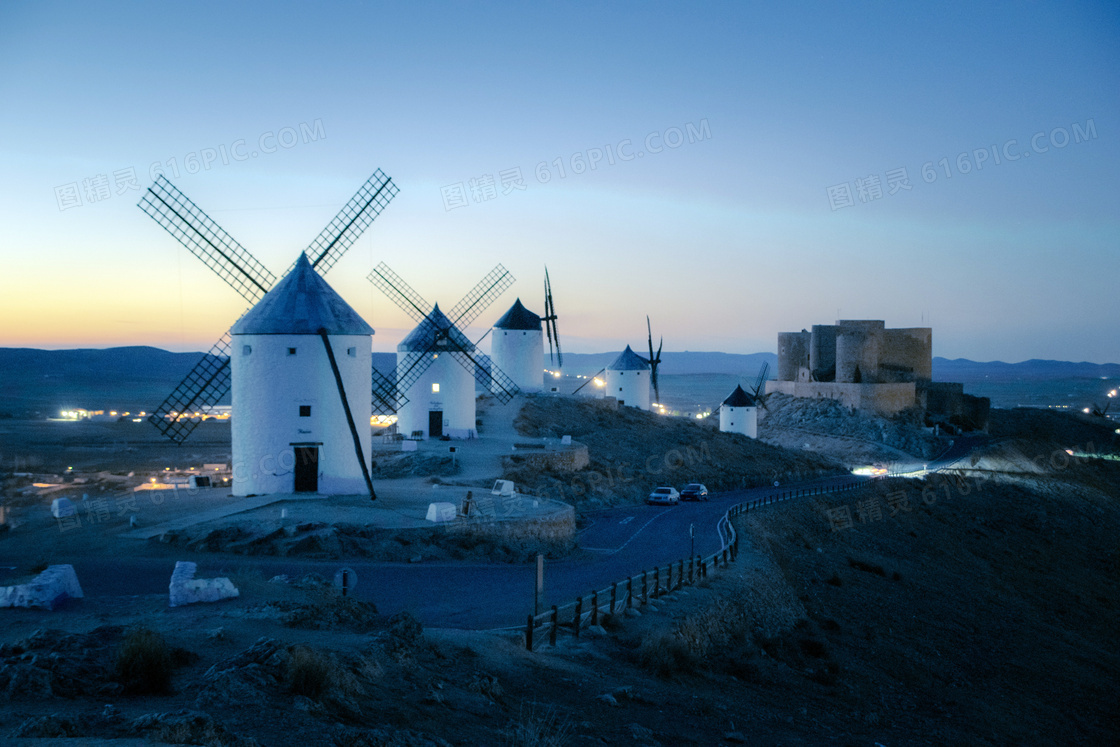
(435,423)
(307,469)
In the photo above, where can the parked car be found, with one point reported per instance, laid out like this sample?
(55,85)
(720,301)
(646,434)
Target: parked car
(663,497)
(694,491)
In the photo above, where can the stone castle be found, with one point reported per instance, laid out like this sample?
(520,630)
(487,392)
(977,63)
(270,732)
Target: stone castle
(866,366)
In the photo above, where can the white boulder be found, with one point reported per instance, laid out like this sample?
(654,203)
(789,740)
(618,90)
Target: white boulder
(186,589)
(54,585)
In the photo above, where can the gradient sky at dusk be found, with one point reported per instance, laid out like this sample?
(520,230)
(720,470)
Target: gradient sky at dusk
(723,241)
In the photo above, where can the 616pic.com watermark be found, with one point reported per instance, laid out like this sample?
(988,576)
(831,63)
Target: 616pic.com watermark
(101,187)
(871,187)
(484,188)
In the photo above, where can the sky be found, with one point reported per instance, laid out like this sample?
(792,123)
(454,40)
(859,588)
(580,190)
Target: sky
(733,170)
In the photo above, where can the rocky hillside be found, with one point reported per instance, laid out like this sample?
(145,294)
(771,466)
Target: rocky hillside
(632,451)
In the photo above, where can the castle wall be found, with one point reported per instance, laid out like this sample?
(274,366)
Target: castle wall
(907,354)
(885,399)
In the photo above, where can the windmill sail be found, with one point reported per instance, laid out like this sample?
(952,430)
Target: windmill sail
(549,320)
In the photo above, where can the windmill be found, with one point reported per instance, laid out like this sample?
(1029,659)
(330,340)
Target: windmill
(654,360)
(209,380)
(439,334)
(549,320)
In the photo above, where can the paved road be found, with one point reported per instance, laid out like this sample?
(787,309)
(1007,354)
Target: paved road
(617,542)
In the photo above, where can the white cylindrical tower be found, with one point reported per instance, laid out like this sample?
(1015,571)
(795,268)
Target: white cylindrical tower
(628,380)
(439,389)
(517,348)
(289,429)
(739,414)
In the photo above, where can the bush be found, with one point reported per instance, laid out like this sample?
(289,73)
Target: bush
(665,655)
(309,672)
(144,663)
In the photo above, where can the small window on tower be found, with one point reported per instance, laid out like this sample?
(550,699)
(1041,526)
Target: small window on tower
(291,351)
(435,388)
(352,352)
(305,411)
(246,349)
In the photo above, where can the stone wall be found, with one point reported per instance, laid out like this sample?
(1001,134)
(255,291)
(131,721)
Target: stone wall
(567,459)
(885,399)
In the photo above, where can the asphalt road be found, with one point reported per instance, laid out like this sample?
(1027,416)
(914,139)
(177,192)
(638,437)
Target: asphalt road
(615,543)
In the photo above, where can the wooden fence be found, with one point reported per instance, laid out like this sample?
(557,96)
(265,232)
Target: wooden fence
(638,590)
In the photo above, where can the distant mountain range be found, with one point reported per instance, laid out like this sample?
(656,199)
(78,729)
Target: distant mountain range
(138,378)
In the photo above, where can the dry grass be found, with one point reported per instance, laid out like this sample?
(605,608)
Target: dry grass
(310,673)
(144,663)
(539,727)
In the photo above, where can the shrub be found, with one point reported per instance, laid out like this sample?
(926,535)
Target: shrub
(535,728)
(144,663)
(309,672)
(665,655)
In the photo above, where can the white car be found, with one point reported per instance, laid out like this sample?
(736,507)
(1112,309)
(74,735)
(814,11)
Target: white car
(664,497)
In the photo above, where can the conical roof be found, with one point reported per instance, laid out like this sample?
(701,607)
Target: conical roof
(301,304)
(519,317)
(423,337)
(739,398)
(628,360)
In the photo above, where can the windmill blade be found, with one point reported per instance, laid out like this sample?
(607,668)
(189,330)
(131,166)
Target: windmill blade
(581,386)
(354,218)
(419,365)
(204,386)
(385,399)
(549,319)
(486,373)
(206,239)
(400,292)
(763,374)
(482,295)
(654,360)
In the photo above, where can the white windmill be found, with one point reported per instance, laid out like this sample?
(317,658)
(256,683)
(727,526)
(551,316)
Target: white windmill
(628,380)
(437,365)
(517,347)
(210,380)
(300,367)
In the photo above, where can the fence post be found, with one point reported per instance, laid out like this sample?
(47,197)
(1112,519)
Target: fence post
(725,556)
(614,595)
(555,625)
(529,634)
(645,589)
(595,608)
(669,579)
(629,592)
(656,582)
(578,615)
(691,569)
(680,574)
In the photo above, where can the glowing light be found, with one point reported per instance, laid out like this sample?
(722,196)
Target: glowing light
(599,382)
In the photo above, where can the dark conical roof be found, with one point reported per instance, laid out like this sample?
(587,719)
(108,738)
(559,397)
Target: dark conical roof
(628,360)
(423,337)
(519,317)
(739,398)
(301,304)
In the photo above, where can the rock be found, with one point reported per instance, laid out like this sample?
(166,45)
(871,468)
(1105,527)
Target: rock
(608,699)
(217,634)
(45,727)
(735,737)
(281,579)
(186,589)
(51,587)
